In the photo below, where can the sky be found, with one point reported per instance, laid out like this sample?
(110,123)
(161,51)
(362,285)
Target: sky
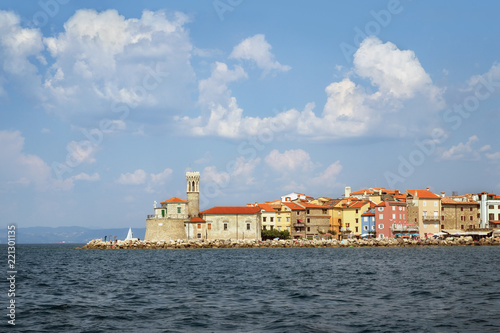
(104,105)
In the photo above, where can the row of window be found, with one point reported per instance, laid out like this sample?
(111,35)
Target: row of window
(493,206)
(401,208)
(271,219)
(381,216)
(209,226)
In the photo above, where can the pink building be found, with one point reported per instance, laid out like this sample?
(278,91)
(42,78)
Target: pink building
(390,220)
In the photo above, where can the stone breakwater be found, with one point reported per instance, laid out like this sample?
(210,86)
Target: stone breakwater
(301,243)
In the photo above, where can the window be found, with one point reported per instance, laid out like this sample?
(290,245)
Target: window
(198,235)
(462,226)
(264,228)
(357,220)
(381,226)
(264,219)
(356,229)
(436,214)
(491,207)
(298,212)
(209,226)
(308,212)
(491,216)
(225,225)
(199,225)
(425,213)
(424,203)
(365,227)
(461,209)
(325,211)
(461,218)
(272,227)
(308,228)
(272,219)
(178,210)
(442,208)
(393,208)
(288,219)
(279,219)
(442,226)
(393,216)
(381,209)
(442,217)
(471,209)
(248,226)
(365,218)
(499,216)
(470,218)
(357,211)
(381,216)
(347,225)
(435,203)
(373,227)
(308,220)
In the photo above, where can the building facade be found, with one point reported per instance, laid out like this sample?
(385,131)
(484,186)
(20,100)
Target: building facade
(424,210)
(459,215)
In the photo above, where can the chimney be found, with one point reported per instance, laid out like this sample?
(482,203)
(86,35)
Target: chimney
(396,192)
(347,192)
(442,194)
(427,189)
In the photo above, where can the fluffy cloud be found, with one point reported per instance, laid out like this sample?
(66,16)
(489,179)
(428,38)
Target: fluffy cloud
(102,60)
(405,100)
(160,178)
(462,151)
(290,160)
(17,44)
(19,168)
(137,177)
(257,49)
(241,172)
(328,177)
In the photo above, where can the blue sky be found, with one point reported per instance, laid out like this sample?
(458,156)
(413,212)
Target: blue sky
(104,105)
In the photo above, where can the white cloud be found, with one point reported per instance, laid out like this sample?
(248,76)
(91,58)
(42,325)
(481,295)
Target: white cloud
(161,177)
(485,148)
(289,160)
(462,151)
(83,176)
(240,173)
(328,178)
(82,151)
(17,45)
(102,58)
(397,73)
(493,156)
(19,168)
(406,101)
(257,49)
(138,177)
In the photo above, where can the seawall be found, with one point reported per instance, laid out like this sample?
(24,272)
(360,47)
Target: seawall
(301,243)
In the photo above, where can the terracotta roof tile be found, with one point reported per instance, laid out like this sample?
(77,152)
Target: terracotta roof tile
(423,194)
(174,199)
(293,206)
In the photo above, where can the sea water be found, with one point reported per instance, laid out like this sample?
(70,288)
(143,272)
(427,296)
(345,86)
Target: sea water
(425,289)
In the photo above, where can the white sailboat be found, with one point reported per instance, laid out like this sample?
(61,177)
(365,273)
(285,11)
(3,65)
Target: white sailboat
(129,235)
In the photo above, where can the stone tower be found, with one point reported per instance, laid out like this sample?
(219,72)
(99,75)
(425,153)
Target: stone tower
(193,193)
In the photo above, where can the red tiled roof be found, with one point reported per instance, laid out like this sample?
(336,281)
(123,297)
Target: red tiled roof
(174,199)
(232,210)
(423,194)
(359,204)
(266,207)
(197,220)
(293,206)
(310,205)
(448,200)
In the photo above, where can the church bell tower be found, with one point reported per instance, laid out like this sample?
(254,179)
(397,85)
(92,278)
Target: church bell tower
(193,193)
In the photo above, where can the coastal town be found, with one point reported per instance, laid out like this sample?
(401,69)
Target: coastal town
(415,214)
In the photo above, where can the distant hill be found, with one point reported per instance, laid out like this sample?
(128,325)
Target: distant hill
(36,235)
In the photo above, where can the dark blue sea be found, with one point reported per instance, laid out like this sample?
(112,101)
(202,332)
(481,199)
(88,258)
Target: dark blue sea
(435,289)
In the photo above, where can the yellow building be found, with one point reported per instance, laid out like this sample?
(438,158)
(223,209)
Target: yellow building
(351,210)
(283,219)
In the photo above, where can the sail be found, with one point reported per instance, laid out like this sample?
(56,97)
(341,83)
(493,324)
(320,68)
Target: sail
(129,235)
